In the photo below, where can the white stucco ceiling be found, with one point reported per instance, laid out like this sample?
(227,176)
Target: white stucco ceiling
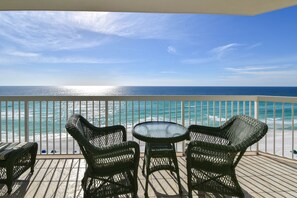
(236,7)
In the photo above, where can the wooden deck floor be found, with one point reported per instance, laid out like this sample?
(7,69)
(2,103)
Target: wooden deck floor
(259,176)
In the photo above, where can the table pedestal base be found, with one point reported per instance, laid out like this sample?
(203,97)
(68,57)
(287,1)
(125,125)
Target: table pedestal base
(160,157)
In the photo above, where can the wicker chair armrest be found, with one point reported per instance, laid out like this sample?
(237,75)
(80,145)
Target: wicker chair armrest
(116,147)
(211,146)
(206,130)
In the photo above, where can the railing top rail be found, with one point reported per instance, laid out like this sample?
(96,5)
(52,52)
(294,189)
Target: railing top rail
(131,98)
(283,99)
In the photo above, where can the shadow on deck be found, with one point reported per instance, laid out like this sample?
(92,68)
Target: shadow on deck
(259,176)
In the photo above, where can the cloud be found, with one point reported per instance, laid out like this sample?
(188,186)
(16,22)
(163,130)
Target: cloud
(254,45)
(20,57)
(256,70)
(222,51)
(216,54)
(39,31)
(278,75)
(171,50)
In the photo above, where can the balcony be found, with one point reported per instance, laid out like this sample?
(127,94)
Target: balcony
(259,176)
(267,170)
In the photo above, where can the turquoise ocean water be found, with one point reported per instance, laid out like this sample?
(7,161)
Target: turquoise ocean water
(209,113)
(49,118)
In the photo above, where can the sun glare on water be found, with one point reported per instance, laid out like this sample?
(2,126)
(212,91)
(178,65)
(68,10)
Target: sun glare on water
(92,90)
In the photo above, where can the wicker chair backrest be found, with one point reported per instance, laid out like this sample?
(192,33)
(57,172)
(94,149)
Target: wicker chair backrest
(82,134)
(243,131)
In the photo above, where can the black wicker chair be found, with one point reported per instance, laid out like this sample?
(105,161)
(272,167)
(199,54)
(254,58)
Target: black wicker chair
(214,152)
(112,161)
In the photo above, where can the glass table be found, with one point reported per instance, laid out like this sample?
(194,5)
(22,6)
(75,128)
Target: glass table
(159,154)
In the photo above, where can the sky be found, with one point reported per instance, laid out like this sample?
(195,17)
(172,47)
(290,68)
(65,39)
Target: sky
(141,49)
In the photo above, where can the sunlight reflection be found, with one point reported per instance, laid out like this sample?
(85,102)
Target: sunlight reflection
(92,90)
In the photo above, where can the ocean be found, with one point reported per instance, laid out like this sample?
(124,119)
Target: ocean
(141,90)
(47,119)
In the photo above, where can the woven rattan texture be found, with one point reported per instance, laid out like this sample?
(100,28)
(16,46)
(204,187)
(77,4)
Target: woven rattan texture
(214,152)
(112,161)
(17,163)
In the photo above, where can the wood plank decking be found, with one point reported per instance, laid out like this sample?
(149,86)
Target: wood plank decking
(259,176)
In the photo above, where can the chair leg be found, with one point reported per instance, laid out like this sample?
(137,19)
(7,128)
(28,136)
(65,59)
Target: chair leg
(146,181)
(33,153)
(177,174)
(148,160)
(9,176)
(189,176)
(189,186)
(143,165)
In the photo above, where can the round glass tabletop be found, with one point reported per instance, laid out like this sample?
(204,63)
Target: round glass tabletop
(160,132)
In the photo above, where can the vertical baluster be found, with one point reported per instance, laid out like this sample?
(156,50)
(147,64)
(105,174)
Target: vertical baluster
(145,110)
(120,112)
(283,129)
(201,112)
(163,110)
(293,129)
(195,111)
(12,120)
(79,107)
(266,123)
(274,128)
(34,117)
(189,112)
(244,108)
(214,113)
(99,107)
(176,111)
(54,127)
(250,108)
(26,123)
(67,133)
(40,121)
(113,118)
(157,110)
(87,109)
(139,118)
(238,107)
(46,125)
(19,122)
(106,113)
(126,112)
(220,112)
(170,111)
(183,122)
(60,123)
(256,116)
(226,111)
(93,111)
(6,120)
(207,112)
(232,108)
(132,121)
(73,111)
(0,121)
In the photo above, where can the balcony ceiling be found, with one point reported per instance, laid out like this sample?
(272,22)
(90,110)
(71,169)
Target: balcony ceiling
(235,7)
